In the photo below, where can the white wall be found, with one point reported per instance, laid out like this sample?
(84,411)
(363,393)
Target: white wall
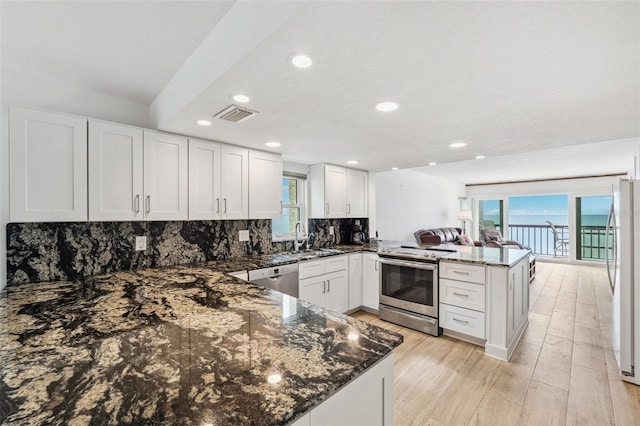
(38,91)
(407,201)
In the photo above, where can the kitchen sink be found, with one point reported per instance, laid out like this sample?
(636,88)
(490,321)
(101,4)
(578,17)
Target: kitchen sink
(310,254)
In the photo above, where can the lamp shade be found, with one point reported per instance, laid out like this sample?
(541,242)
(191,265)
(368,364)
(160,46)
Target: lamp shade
(464,215)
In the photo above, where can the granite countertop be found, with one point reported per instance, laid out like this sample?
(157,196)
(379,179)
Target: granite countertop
(252,262)
(487,255)
(182,345)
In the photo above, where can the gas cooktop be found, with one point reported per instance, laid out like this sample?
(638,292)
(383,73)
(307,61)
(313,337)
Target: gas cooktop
(415,253)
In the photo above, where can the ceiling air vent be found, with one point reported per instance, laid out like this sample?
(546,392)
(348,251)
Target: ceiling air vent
(235,114)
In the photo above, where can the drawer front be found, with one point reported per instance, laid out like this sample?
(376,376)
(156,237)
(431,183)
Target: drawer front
(336,263)
(312,268)
(464,295)
(462,272)
(462,320)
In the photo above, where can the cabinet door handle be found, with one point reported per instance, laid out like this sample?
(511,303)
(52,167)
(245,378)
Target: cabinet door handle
(137,204)
(460,294)
(217,205)
(148,204)
(348,208)
(376,265)
(225,205)
(327,209)
(460,272)
(328,286)
(324,287)
(281,208)
(459,320)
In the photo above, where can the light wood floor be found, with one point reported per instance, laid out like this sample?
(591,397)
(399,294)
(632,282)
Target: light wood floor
(563,371)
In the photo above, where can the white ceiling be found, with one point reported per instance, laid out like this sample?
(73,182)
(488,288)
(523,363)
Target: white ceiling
(509,78)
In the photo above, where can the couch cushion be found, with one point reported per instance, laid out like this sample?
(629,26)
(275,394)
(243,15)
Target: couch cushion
(437,236)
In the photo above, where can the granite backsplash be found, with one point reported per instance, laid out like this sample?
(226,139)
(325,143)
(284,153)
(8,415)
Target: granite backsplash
(52,251)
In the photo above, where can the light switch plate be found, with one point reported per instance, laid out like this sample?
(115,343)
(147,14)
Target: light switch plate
(331,230)
(141,243)
(243,235)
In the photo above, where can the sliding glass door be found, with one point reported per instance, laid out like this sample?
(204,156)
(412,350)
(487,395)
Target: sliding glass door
(591,222)
(490,214)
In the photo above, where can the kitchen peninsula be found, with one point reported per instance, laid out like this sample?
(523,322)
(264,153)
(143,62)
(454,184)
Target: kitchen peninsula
(188,345)
(484,297)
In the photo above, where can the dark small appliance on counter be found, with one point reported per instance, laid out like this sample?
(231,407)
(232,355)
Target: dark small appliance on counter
(357,235)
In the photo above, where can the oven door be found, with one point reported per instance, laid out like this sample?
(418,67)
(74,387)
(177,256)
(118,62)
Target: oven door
(412,286)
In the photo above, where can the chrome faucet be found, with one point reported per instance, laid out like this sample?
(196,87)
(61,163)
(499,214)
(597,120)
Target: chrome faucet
(296,243)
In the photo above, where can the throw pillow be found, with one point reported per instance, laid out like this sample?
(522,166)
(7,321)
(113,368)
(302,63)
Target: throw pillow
(465,240)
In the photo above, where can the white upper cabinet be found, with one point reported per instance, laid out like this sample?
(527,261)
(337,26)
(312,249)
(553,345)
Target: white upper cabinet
(337,192)
(218,181)
(265,185)
(205,201)
(234,182)
(357,189)
(165,176)
(116,175)
(48,166)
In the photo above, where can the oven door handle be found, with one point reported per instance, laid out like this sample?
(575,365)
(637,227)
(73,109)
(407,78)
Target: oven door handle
(416,265)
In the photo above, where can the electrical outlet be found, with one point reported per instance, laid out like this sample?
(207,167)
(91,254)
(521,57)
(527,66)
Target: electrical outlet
(331,230)
(141,243)
(243,235)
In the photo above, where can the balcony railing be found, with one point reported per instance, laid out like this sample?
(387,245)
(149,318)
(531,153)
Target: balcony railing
(591,244)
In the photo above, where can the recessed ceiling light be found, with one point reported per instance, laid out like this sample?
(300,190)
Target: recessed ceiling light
(458,144)
(480,157)
(352,162)
(241,98)
(387,106)
(301,61)
(394,168)
(432,163)
(273,144)
(204,122)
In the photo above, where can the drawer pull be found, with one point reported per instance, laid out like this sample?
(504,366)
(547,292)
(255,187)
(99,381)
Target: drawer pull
(460,272)
(459,320)
(460,294)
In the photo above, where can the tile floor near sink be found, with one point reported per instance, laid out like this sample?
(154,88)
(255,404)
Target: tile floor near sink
(563,371)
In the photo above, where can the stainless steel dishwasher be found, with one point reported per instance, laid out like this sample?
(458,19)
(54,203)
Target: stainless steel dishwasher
(282,278)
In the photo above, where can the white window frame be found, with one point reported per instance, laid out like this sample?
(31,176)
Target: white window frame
(302,195)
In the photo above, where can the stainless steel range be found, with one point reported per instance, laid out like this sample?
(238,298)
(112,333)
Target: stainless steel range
(409,287)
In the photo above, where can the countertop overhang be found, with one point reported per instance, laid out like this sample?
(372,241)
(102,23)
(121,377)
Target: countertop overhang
(181,345)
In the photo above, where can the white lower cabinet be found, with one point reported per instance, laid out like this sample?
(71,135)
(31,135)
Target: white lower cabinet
(355,280)
(325,282)
(487,303)
(337,295)
(313,290)
(462,298)
(366,401)
(370,281)
(461,320)
(508,296)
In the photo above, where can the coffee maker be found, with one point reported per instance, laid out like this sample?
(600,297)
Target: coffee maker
(357,235)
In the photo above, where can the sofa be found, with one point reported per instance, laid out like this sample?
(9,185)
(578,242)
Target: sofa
(437,236)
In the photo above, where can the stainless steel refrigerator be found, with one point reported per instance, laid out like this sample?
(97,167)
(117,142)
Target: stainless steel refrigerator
(623,268)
